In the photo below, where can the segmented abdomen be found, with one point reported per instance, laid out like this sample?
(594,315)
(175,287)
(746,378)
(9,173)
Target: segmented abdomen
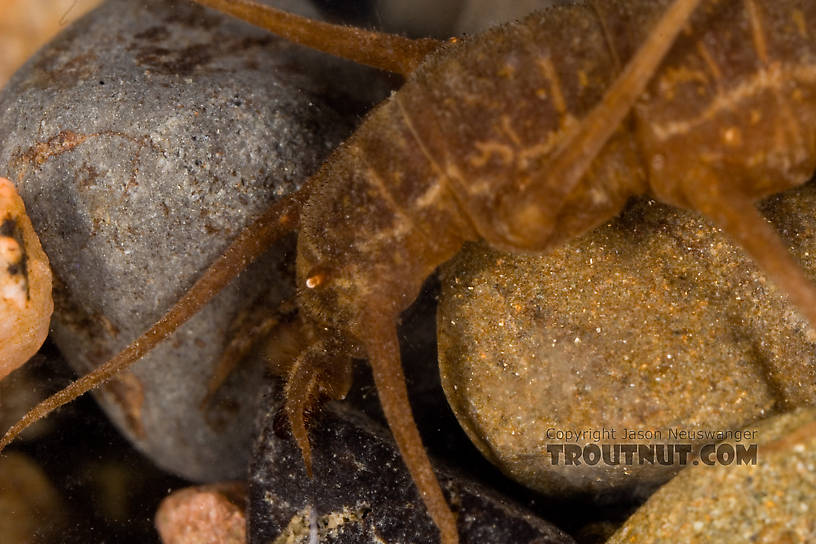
(425,170)
(736,96)
(445,159)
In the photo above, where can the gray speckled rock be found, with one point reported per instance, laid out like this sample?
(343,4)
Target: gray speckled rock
(479,15)
(361,491)
(653,322)
(770,502)
(142,139)
(419,17)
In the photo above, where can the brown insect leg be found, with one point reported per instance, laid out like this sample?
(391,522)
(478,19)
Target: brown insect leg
(382,346)
(301,393)
(582,146)
(315,371)
(383,51)
(246,332)
(738,216)
(281,217)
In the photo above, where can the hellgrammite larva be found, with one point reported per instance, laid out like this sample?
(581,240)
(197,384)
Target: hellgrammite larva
(524,136)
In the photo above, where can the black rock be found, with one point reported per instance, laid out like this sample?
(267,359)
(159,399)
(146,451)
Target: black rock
(362,492)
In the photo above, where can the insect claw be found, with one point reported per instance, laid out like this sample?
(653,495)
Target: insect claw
(301,392)
(297,394)
(317,371)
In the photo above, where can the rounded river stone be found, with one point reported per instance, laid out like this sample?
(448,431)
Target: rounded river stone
(771,501)
(653,323)
(361,491)
(479,15)
(142,140)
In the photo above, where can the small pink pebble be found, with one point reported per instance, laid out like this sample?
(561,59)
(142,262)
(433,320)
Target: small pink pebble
(210,514)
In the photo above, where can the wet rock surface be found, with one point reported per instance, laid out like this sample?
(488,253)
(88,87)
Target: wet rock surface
(142,140)
(361,491)
(419,18)
(479,15)
(351,434)
(771,501)
(654,322)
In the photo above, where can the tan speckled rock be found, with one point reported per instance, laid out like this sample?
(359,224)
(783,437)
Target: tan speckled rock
(655,322)
(772,501)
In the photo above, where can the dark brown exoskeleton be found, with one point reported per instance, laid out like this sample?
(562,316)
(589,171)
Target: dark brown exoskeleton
(525,136)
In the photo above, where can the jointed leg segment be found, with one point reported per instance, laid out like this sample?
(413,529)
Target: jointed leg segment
(318,371)
(382,345)
(580,148)
(740,219)
(384,51)
(249,329)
